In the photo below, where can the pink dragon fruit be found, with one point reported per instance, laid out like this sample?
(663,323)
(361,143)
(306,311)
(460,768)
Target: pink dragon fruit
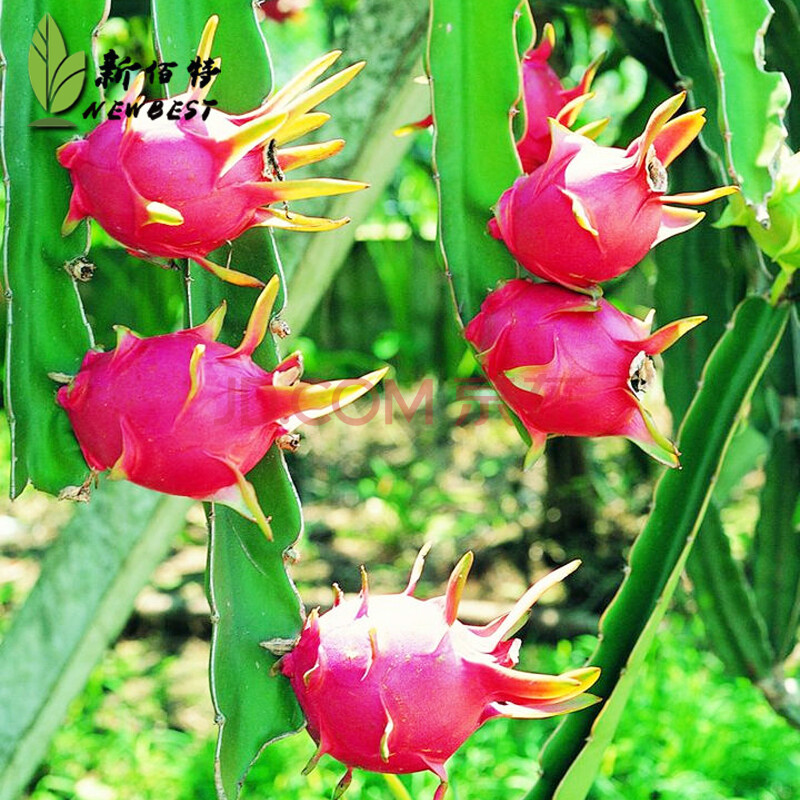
(544,98)
(396,684)
(590,213)
(186,415)
(568,365)
(183,183)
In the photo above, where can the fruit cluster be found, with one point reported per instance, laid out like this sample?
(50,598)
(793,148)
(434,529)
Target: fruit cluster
(564,359)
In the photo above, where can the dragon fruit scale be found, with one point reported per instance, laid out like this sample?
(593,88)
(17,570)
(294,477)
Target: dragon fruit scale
(184,414)
(590,212)
(179,185)
(396,684)
(569,365)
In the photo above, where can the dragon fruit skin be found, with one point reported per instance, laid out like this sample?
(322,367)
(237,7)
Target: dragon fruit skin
(568,365)
(396,684)
(184,414)
(544,97)
(180,188)
(591,213)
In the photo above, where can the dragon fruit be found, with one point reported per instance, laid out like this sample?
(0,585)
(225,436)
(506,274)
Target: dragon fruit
(570,365)
(184,414)
(590,213)
(395,684)
(544,97)
(181,184)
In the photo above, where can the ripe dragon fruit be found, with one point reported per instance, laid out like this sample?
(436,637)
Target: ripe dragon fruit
(544,97)
(590,213)
(186,415)
(182,184)
(570,365)
(395,684)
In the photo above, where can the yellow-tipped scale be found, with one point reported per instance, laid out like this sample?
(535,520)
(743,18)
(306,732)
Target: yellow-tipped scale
(301,81)
(211,328)
(277,218)
(455,587)
(258,322)
(658,119)
(249,136)
(162,214)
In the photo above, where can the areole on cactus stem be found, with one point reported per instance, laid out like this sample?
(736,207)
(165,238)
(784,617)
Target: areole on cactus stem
(390,683)
(184,414)
(180,188)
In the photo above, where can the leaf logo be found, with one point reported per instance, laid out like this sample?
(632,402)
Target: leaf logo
(57,78)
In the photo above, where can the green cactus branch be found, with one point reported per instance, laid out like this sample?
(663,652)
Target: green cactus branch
(47,329)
